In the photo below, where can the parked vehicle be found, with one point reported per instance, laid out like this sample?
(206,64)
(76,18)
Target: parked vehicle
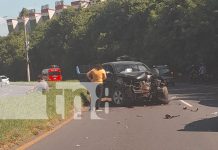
(52,73)
(4,80)
(166,74)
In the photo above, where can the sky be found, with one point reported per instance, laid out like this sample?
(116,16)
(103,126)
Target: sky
(9,9)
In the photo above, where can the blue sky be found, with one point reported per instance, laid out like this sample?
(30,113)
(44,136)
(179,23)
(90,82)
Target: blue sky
(10,9)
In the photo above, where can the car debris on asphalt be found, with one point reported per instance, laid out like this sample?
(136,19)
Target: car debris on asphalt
(118,122)
(193,110)
(167,116)
(139,116)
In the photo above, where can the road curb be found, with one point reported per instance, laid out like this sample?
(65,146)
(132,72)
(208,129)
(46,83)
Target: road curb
(44,135)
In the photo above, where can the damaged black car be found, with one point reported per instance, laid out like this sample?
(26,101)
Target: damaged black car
(130,81)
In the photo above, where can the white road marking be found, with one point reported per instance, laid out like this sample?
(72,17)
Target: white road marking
(184,102)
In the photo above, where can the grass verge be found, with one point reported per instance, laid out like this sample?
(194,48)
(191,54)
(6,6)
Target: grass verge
(15,132)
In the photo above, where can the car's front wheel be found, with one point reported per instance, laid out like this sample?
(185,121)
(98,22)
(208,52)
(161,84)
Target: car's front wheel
(118,97)
(123,97)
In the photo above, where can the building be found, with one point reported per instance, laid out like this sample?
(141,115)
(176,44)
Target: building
(23,22)
(59,7)
(12,25)
(80,4)
(15,25)
(92,2)
(34,18)
(47,13)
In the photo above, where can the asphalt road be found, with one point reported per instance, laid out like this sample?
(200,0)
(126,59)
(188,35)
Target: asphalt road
(194,127)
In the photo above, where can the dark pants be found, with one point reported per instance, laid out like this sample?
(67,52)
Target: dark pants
(99,94)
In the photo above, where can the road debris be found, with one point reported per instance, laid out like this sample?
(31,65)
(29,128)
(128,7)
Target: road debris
(139,116)
(118,122)
(77,145)
(193,110)
(184,108)
(167,116)
(123,124)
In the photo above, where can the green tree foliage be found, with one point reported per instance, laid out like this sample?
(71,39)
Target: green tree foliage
(13,56)
(24,13)
(174,32)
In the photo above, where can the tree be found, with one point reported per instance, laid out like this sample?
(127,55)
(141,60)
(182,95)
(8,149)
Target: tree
(24,13)
(177,33)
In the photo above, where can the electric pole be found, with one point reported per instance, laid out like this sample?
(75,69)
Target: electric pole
(27,50)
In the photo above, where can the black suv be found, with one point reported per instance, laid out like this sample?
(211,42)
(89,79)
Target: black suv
(166,74)
(129,81)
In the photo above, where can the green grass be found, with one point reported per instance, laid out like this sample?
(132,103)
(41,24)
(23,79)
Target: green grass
(15,132)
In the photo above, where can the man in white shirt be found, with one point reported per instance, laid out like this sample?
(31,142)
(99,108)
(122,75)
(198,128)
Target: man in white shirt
(41,86)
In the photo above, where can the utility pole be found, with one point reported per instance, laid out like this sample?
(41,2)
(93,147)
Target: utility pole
(27,50)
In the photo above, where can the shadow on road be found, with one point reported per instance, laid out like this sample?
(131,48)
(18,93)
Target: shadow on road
(210,103)
(205,125)
(206,95)
(137,103)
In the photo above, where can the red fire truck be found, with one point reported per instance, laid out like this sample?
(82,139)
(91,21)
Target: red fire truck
(52,73)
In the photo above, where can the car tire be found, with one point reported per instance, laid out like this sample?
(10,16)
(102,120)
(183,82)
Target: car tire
(118,97)
(121,99)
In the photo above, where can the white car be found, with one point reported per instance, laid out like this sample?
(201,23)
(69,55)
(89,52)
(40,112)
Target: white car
(4,80)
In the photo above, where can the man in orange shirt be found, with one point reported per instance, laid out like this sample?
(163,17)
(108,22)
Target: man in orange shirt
(98,75)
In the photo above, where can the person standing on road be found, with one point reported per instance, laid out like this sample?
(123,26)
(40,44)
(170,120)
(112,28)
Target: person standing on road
(98,75)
